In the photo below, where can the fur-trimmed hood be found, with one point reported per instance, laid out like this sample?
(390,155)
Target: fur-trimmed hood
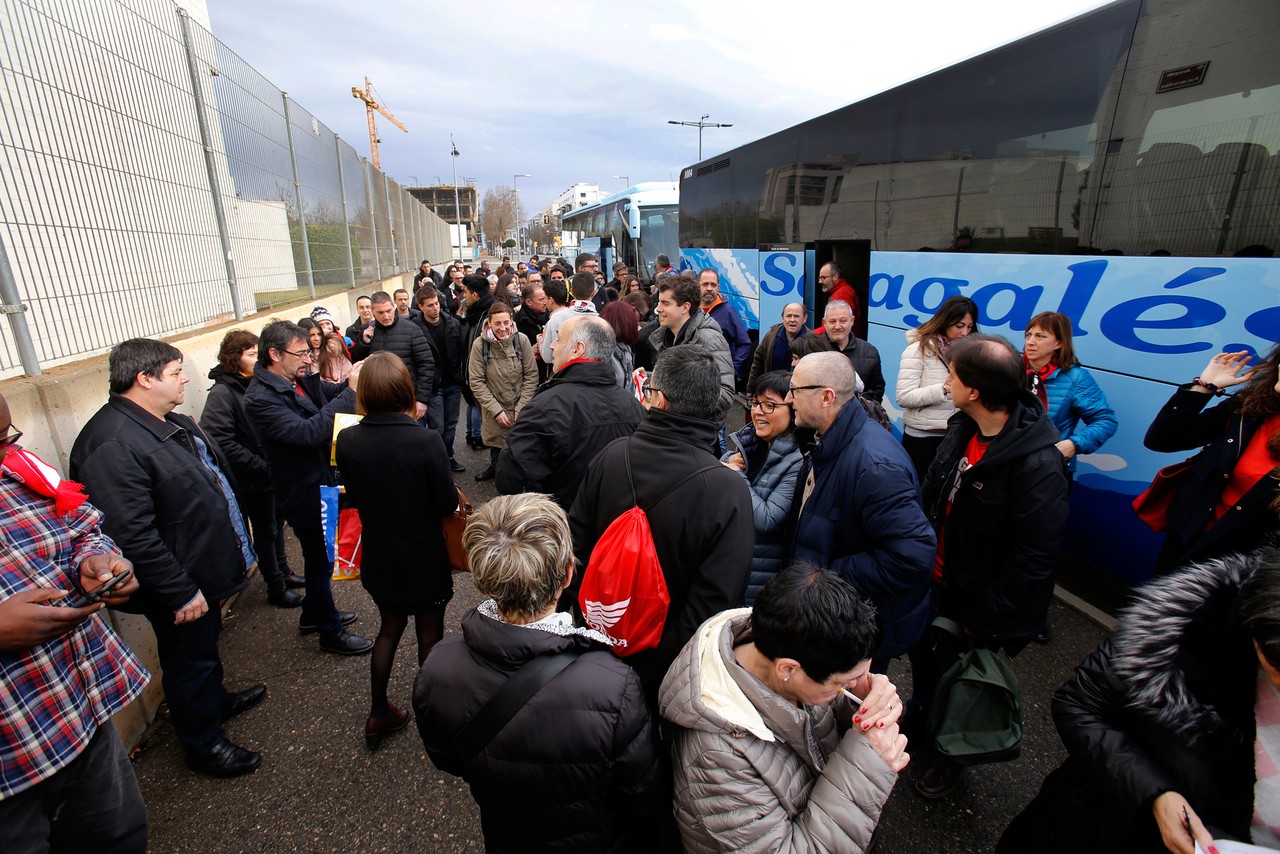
(1150,641)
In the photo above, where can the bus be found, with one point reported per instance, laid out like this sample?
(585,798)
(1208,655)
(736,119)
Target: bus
(1122,167)
(634,226)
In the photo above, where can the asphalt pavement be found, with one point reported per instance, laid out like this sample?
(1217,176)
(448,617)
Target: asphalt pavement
(320,790)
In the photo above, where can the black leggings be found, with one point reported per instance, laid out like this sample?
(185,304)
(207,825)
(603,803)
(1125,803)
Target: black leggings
(429,626)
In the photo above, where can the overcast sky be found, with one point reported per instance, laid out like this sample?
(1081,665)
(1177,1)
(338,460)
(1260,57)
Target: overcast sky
(569,90)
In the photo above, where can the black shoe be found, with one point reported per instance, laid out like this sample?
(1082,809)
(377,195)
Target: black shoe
(243,701)
(939,779)
(294,581)
(487,474)
(475,443)
(1043,637)
(345,643)
(224,759)
(347,618)
(456,466)
(284,598)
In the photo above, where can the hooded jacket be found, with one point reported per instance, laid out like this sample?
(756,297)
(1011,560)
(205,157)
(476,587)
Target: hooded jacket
(702,531)
(756,773)
(702,329)
(771,474)
(925,406)
(225,421)
(1002,536)
(570,419)
(504,382)
(864,522)
(1165,704)
(576,769)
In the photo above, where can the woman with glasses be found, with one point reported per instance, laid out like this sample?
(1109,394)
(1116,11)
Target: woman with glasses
(769,457)
(920,392)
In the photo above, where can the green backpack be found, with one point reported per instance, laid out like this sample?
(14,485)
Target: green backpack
(976,713)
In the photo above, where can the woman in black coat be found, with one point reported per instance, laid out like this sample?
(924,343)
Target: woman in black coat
(397,475)
(1162,720)
(1225,503)
(576,767)
(225,421)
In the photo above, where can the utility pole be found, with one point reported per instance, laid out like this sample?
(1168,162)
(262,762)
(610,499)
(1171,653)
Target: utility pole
(457,207)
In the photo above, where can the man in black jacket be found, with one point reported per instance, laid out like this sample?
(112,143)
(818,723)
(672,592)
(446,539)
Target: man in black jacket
(355,332)
(532,318)
(477,298)
(703,531)
(292,414)
(169,504)
(444,334)
(397,334)
(837,325)
(996,493)
(571,418)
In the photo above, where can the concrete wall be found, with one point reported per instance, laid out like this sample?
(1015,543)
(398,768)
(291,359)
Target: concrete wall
(50,409)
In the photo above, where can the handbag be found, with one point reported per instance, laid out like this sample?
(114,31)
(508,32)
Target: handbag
(1152,506)
(452,527)
(976,712)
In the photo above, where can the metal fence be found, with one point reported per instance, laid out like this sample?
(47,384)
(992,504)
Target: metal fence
(152,182)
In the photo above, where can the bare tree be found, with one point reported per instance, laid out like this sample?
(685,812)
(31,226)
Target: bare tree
(500,212)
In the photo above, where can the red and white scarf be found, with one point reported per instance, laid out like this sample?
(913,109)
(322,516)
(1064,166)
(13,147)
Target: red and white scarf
(42,478)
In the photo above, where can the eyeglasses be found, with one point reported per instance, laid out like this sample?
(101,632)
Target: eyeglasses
(647,390)
(301,354)
(12,439)
(768,407)
(792,389)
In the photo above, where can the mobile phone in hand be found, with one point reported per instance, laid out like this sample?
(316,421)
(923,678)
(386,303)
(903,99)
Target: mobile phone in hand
(80,600)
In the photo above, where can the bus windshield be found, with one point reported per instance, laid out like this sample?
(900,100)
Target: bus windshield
(659,235)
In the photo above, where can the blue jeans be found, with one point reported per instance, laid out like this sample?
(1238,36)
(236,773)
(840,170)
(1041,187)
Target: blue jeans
(442,414)
(474,426)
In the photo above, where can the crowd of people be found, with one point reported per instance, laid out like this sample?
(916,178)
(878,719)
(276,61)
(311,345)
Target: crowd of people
(798,556)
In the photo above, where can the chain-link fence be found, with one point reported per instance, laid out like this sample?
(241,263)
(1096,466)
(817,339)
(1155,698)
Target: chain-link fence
(151,182)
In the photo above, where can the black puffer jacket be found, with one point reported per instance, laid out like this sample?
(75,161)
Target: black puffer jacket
(703,532)
(406,340)
(1165,704)
(165,510)
(576,769)
(224,419)
(570,419)
(1183,424)
(1002,536)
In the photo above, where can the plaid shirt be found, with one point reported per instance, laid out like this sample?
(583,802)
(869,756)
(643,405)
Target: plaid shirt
(54,696)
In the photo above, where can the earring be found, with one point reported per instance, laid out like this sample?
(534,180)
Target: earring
(786,678)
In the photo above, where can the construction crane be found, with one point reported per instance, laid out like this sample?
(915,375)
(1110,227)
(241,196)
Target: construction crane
(370,106)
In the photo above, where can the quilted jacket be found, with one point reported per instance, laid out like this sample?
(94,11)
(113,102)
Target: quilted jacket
(773,485)
(1079,409)
(925,407)
(754,772)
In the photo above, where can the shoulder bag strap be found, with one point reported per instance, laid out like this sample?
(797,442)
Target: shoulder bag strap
(518,690)
(681,482)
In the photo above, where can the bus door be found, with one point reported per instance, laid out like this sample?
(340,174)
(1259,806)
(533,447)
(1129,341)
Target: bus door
(854,258)
(607,256)
(782,280)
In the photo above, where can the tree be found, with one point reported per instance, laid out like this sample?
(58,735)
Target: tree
(500,212)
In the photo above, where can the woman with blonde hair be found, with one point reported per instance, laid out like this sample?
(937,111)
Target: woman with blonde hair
(574,767)
(397,475)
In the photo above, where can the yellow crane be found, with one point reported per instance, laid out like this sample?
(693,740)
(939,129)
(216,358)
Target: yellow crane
(370,105)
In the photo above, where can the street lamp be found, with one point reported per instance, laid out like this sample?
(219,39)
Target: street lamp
(624,179)
(515,178)
(700,124)
(457,207)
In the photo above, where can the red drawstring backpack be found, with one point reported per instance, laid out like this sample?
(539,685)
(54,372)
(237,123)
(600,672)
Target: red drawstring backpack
(624,593)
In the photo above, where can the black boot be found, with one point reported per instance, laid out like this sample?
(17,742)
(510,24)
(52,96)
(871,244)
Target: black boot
(491,472)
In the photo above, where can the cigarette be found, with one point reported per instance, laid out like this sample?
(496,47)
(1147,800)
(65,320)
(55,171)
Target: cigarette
(851,696)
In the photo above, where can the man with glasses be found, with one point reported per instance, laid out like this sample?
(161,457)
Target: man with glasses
(859,511)
(65,779)
(292,413)
(168,503)
(831,280)
(703,530)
